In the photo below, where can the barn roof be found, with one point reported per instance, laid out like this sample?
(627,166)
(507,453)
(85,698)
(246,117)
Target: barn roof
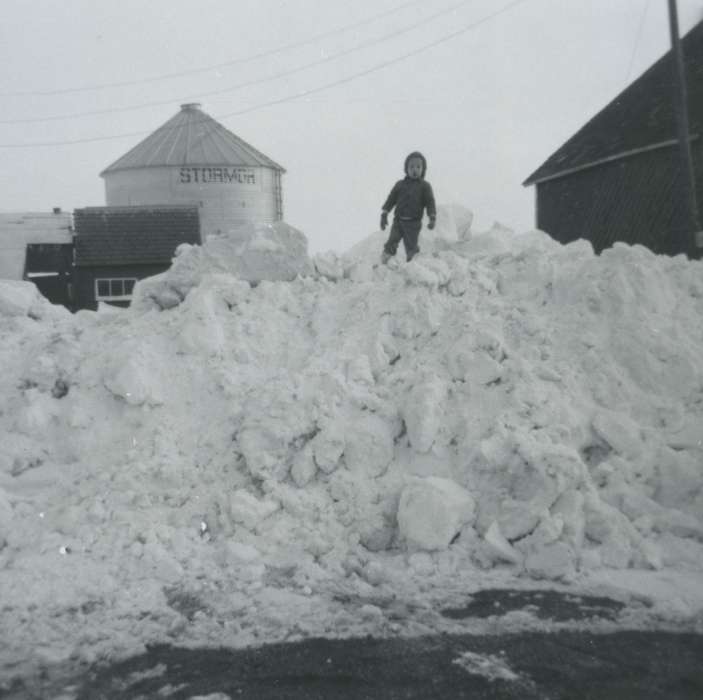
(142,235)
(640,117)
(192,137)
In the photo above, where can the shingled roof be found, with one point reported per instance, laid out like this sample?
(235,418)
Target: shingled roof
(133,235)
(642,116)
(192,137)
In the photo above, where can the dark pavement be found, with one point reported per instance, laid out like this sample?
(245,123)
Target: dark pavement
(567,664)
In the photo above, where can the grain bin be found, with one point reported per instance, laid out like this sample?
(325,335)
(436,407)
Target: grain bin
(193,159)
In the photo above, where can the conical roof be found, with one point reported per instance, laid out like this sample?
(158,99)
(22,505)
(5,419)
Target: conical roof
(191,137)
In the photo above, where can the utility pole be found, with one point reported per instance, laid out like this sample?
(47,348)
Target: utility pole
(694,238)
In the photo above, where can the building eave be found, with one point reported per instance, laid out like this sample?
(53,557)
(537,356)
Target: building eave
(602,161)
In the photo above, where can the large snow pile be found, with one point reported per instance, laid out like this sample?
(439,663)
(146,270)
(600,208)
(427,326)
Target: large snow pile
(229,461)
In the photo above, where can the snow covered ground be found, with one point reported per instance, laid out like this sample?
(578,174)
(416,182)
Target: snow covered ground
(268,446)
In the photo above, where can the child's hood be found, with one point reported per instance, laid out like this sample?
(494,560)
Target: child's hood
(416,154)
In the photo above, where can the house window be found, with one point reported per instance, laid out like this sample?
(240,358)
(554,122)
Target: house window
(114,289)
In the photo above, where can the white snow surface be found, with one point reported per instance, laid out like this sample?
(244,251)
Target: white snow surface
(269,447)
(489,666)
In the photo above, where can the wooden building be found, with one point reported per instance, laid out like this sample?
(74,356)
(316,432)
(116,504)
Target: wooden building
(50,267)
(620,178)
(117,246)
(193,159)
(38,247)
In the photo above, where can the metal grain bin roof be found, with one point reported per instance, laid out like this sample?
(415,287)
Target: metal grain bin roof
(191,137)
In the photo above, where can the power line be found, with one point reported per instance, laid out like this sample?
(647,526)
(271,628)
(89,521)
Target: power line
(249,83)
(380,66)
(304,93)
(637,41)
(216,66)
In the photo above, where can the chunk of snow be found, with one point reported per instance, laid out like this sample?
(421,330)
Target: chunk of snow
(423,412)
(553,561)
(329,265)
(368,444)
(499,547)
(249,510)
(432,511)
(19,298)
(489,666)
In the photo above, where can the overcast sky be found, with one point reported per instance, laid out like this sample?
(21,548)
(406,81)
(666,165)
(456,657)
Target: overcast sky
(487,90)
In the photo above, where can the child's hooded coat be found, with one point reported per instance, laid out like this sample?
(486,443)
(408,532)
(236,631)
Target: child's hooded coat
(411,197)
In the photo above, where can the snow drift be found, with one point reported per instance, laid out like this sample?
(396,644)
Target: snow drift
(261,431)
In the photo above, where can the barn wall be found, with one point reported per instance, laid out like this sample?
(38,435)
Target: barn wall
(84,280)
(636,200)
(697,151)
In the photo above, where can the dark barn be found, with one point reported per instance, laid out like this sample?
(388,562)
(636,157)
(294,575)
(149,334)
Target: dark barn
(620,177)
(117,246)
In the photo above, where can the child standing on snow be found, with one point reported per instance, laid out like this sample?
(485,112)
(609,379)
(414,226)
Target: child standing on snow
(410,197)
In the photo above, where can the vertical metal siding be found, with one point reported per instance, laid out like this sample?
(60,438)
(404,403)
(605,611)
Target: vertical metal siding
(223,207)
(634,200)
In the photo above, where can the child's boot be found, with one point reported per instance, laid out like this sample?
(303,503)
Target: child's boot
(385,257)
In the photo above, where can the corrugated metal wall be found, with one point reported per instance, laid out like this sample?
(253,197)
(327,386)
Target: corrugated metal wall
(634,200)
(225,200)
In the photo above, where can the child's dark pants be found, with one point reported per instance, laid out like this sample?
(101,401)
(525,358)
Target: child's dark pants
(409,231)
